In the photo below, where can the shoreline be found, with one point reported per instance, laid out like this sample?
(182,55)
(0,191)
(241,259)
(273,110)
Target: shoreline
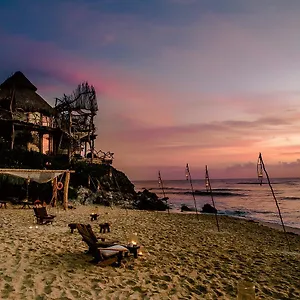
(277,226)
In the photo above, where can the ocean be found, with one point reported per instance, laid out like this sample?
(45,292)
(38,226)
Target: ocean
(242,198)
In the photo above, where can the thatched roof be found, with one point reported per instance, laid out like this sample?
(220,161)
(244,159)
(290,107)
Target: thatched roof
(25,97)
(19,81)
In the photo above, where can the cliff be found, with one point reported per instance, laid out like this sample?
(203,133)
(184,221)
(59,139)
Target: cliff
(90,184)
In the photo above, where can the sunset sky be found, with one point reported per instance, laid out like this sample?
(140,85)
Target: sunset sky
(204,82)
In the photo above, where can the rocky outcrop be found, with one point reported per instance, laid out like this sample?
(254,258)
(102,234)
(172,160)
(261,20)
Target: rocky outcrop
(101,178)
(89,184)
(207,208)
(147,200)
(184,207)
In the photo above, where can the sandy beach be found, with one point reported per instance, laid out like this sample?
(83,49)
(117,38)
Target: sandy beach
(184,258)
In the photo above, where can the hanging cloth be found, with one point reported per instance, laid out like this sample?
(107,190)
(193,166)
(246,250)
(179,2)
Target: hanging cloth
(40,176)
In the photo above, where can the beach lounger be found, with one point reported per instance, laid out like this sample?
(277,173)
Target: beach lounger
(104,252)
(42,216)
(91,239)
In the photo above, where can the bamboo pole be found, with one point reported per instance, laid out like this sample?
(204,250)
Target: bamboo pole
(160,182)
(66,190)
(208,187)
(277,205)
(189,177)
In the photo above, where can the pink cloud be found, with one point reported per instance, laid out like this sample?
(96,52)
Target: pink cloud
(119,86)
(218,96)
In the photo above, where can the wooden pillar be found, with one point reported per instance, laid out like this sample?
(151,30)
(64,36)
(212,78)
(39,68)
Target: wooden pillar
(70,148)
(54,192)
(12,137)
(41,137)
(66,190)
(85,149)
(50,144)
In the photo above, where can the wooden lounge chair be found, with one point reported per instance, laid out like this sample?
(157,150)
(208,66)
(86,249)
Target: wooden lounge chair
(42,216)
(104,253)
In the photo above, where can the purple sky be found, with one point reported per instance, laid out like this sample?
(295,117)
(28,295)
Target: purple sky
(204,82)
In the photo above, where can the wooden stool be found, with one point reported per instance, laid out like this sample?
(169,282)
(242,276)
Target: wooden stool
(72,227)
(104,227)
(94,217)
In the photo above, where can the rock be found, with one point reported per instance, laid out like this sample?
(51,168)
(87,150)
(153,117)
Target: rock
(184,207)
(146,200)
(207,208)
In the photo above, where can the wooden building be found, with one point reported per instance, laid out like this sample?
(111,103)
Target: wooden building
(27,121)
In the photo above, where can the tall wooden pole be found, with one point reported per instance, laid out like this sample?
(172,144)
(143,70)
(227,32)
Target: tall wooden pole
(160,182)
(277,205)
(70,136)
(189,177)
(12,139)
(66,190)
(27,188)
(208,187)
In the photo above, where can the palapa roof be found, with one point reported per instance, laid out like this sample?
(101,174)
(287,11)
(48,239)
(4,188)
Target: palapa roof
(25,95)
(19,81)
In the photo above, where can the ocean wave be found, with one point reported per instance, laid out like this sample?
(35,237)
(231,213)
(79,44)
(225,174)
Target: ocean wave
(239,213)
(262,212)
(265,182)
(174,188)
(254,182)
(230,189)
(215,193)
(290,198)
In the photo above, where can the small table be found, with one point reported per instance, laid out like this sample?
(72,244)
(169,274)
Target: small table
(104,227)
(133,249)
(3,204)
(26,203)
(94,217)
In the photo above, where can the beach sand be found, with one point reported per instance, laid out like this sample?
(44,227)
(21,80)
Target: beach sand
(184,258)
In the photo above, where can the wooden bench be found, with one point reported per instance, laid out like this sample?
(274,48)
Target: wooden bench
(72,227)
(26,204)
(104,227)
(94,217)
(3,204)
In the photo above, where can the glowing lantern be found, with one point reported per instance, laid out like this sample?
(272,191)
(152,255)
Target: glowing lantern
(133,239)
(142,251)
